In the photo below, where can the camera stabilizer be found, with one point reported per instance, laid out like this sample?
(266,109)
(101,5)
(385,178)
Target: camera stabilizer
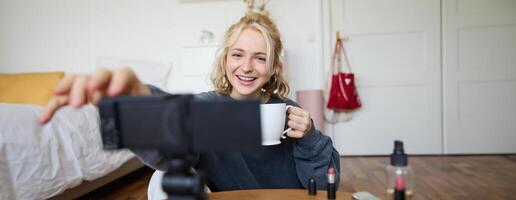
(180,126)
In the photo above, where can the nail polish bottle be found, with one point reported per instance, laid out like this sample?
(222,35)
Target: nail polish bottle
(312,187)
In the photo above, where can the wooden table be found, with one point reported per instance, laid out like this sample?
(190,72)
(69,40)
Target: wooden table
(273,194)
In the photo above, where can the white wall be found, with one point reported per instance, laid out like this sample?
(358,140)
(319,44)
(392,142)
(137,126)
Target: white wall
(47,35)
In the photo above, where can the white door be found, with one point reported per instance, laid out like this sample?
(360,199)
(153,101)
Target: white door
(394,49)
(479,54)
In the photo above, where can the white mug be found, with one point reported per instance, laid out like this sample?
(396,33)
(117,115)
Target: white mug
(272,118)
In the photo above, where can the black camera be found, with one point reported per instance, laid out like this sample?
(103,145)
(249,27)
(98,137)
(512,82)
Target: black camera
(179,126)
(179,123)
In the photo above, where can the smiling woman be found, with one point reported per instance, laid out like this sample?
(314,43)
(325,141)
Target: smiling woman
(247,68)
(249,60)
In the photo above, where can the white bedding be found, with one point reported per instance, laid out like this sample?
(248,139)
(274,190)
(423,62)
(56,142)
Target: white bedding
(37,162)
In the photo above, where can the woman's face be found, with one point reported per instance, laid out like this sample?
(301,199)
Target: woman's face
(246,67)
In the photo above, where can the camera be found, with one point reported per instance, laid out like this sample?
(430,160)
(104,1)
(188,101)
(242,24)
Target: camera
(180,126)
(179,123)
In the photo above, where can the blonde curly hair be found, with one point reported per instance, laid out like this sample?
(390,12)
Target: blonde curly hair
(277,84)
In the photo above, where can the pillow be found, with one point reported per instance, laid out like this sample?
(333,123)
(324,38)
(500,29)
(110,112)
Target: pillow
(148,71)
(28,88)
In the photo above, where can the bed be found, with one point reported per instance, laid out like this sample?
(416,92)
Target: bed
(39,162)
(64,158)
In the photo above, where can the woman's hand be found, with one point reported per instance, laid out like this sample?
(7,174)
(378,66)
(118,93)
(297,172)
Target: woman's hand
(76,90)
(300,122)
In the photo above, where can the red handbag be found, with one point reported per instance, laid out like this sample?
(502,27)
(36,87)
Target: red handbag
(343,92)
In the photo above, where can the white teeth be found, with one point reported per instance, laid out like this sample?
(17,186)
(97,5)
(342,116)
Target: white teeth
(244,78)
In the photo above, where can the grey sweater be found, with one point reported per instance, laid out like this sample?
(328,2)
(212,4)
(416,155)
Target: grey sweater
(287,165)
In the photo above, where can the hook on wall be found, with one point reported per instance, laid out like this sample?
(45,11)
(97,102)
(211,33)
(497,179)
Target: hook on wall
(343,38)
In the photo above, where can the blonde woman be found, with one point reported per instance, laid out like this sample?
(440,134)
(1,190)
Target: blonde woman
(249,66)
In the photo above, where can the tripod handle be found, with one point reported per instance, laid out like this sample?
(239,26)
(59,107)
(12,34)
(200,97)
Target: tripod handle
(181,182)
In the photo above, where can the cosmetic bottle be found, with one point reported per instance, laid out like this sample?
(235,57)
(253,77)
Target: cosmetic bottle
(399,175)
(331,187)
(312,187)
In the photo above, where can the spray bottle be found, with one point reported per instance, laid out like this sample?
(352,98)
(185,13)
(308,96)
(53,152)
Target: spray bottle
(399,175)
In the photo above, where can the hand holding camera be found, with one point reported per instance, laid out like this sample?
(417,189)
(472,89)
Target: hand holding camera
(77,90)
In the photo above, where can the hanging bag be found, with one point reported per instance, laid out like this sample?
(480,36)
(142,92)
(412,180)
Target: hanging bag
(343,95)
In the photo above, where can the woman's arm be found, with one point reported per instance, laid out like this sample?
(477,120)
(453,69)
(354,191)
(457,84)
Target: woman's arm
(313,155)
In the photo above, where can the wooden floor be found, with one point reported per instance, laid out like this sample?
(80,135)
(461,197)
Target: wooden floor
(436,177)
(132,186)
